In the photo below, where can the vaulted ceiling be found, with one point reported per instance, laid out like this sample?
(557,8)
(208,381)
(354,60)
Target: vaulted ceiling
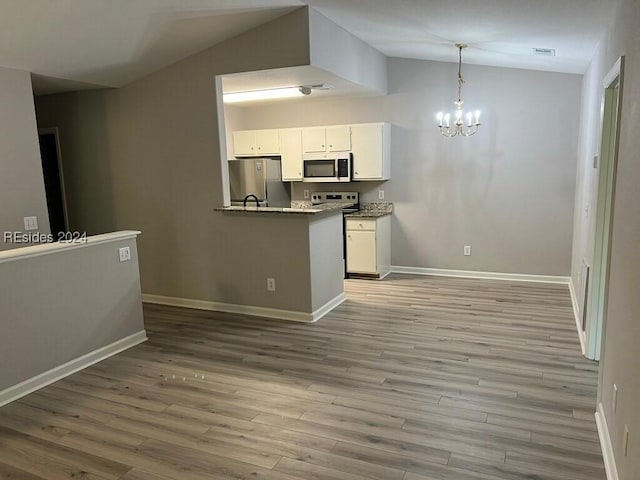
(72,44)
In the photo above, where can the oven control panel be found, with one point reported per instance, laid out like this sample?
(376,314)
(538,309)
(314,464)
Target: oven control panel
(337,197)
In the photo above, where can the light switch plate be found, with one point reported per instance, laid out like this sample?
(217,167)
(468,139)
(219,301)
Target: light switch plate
(467,250)
(271,284)
(30,223)
(380,194)
(125,254)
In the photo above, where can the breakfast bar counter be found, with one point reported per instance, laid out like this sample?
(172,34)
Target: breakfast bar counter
(310,210)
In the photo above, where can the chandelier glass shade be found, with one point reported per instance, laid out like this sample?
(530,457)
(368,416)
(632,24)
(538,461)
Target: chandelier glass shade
(459,126)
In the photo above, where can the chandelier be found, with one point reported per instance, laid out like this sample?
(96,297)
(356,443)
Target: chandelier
(458,127)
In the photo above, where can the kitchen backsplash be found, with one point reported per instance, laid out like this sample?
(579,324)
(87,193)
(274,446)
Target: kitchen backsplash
(366,189)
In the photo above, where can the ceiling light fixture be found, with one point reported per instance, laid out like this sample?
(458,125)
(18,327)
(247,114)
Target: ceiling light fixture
(270,94)
(274,93)
(458,127)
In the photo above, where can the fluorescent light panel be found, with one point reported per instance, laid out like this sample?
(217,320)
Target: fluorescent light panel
(270,94)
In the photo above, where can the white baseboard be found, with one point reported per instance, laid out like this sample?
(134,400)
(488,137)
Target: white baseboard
(576,314)
(605,444)
(327,307)
(277,313)
(42,380)
(485,275)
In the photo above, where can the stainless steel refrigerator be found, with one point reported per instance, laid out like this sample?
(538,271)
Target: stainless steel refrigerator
(261,177)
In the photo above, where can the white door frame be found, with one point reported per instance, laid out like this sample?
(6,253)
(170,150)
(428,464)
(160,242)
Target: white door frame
(607,168)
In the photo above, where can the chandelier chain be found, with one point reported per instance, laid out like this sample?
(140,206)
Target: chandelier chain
(460,79)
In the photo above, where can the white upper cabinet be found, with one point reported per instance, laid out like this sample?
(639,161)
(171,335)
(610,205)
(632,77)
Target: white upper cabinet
(267,142)
(371,148)
(338,138)
(256,143)
(326,139)
(370,144)
(314,140)
(291,154)
(244,143)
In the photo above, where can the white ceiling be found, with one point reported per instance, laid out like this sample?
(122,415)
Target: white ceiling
(499,32)
(73,44)
(112,42)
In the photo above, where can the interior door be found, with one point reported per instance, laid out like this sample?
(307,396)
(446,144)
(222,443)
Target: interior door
(53,181)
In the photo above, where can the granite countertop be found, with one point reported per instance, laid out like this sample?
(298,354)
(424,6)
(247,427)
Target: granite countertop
(373,210)
(297,208)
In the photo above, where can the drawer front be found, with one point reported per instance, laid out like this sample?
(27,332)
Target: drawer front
(361,224)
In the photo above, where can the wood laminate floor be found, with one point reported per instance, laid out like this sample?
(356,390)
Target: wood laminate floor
(413,378)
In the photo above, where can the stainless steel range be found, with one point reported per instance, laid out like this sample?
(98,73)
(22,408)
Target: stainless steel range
(338,197)
(351,198)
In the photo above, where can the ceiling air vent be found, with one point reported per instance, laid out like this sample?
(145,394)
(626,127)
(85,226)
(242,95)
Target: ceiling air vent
(547,52)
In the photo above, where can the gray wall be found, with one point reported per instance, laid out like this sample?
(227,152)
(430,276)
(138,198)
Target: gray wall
(259,246)
(21,184)
(620,359)
(334,49)
(325,259)
(146,157)
(302,253)
(508,191)
(44,329)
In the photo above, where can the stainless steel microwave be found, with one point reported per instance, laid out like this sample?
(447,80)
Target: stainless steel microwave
(327,167)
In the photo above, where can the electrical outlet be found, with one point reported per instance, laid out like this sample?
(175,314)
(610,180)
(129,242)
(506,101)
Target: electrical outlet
(271,284)
(305,193)
(30,223)
(380,194)
(467,250)
(614,401)
(125,254)
(625,441)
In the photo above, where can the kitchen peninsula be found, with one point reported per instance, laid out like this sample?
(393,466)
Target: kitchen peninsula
(301,210)
(288,261)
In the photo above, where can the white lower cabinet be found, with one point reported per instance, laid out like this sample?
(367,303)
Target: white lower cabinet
(369,246)
(361,252)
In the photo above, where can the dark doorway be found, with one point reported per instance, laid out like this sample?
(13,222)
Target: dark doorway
(53,180)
